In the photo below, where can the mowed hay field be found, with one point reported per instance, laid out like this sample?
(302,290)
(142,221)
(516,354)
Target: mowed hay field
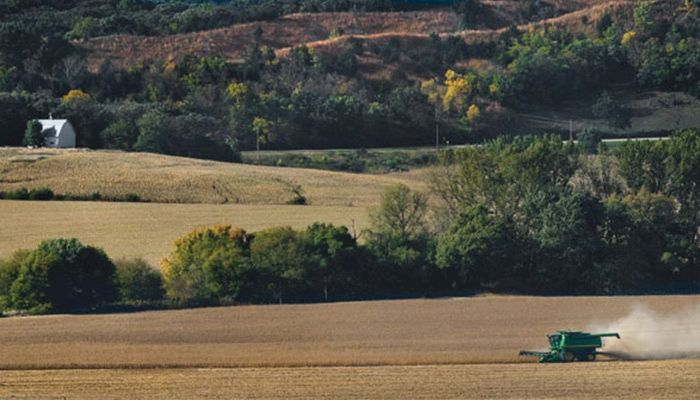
(169,179)
(443,348)
(147,230)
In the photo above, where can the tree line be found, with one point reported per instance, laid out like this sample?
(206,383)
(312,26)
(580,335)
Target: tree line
(528,215)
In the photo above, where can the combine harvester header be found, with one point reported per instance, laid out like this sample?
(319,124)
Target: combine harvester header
(567,346)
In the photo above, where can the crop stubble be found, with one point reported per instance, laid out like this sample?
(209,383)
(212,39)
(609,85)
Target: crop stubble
(442,348)
(618,380)
(403,332)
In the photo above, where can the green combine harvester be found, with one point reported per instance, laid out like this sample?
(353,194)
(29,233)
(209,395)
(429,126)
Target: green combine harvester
(567,346)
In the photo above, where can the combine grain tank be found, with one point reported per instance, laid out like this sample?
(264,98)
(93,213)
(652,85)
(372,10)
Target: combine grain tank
(567,346)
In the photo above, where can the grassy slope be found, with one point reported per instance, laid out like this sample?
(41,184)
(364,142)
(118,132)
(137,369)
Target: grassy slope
(290,30)
(160,178)
(325,30)
(479,330)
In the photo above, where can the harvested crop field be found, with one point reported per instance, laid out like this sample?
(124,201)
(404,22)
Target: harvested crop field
(489,329)
(146,229)
(442,348)
(629,380)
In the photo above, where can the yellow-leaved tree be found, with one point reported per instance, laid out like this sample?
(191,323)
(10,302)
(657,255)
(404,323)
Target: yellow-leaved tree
(473,114)
(75,94)
(236,90)
(207,265)
(627,37)
(459,89)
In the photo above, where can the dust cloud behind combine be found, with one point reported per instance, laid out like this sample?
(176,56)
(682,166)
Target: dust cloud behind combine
(646,334)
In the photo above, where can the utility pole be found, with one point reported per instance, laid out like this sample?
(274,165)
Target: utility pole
(437,129)
(571,131)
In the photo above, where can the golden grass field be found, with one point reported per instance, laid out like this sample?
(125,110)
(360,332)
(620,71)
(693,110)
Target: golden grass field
(248,196)
(443,348)
(146,229)
(169,179)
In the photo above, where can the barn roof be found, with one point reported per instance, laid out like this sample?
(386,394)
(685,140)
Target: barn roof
(52,127)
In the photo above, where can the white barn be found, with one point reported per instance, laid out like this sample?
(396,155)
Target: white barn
(57,133)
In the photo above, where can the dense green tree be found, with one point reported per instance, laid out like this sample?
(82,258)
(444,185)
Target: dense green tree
(64,274)
(478,249)
(9,271)
(333,262)
(278,255)
(32,135)
(501,173)
(153,132)
(121,134)
(562,241)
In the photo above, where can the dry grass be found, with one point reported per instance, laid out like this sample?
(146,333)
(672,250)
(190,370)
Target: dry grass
(290,30)
(161,178)
(409,332)
(316,29)
(147,230)
(652,380)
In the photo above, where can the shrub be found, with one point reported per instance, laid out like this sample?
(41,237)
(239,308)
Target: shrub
(137,281)
(63,274)
(18,194)
(132,198)
(298,198)
(41,194)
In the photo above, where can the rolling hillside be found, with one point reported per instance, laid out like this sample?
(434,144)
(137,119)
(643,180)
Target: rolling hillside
(248,196)
(328,31)
(168,179)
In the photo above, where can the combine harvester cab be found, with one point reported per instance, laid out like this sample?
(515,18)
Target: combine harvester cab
(567,346)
